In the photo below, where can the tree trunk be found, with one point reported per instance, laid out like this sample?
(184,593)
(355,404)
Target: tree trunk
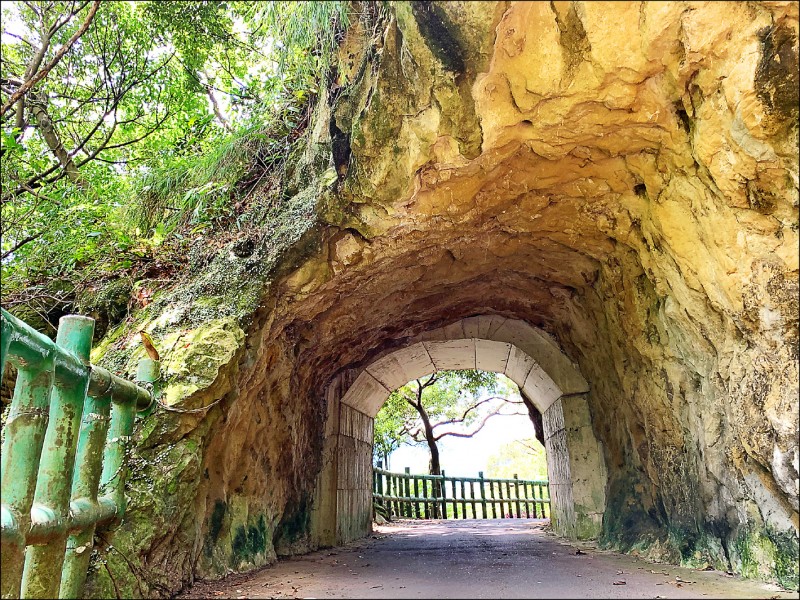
(39,111)
(535,416)
(435,467)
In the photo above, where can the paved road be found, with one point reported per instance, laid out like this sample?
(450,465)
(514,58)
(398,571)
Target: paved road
(476,559)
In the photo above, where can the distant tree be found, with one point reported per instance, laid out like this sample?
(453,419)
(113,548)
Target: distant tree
(525,458)
(447,403)
(389,432)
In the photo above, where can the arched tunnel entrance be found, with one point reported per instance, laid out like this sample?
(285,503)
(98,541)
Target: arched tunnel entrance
(527,356)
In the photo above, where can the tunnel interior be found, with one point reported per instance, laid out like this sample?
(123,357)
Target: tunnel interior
(606,210)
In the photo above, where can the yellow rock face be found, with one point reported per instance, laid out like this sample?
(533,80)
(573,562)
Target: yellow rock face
(635,194)
(623,175)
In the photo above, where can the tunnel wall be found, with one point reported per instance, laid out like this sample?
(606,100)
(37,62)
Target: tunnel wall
(635,197)
(342,507)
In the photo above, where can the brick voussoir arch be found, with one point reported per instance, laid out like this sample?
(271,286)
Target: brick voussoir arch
(526,355)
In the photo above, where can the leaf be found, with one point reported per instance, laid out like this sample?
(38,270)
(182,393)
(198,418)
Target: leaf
(148,346)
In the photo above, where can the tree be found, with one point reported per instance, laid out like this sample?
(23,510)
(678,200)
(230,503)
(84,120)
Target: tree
(446,403)
(525,458)
(107,108)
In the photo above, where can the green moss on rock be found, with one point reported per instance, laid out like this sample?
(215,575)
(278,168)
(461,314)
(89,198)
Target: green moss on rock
(767,555)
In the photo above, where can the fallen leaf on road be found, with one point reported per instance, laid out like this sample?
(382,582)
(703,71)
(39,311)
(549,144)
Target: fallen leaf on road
(579,552)
(620,582)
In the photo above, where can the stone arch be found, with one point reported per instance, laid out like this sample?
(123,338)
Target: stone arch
(526,355)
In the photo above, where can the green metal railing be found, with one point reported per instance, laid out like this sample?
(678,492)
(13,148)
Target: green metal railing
(411,496)
(63,462)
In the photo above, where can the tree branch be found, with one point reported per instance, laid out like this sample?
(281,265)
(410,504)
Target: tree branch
(25,87)
(20,244)
(473,407)
(53,140)
(472,433)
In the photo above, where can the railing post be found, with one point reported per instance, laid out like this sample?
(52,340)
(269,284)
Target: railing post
(96,463)
(472,499)
(484,511)
(443,487)
(42,572)
(525,497)
(85,482)
(417,511)
(22,446)
(407,492)
(516,495)
(463,499)
(112,480)
(455,497)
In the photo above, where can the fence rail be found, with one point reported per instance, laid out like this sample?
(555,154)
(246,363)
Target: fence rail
(441,497)
(63,464)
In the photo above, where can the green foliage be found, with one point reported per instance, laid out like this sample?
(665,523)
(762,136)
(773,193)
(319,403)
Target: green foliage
(388,429)
(305,33)
(525,458)
(168,114)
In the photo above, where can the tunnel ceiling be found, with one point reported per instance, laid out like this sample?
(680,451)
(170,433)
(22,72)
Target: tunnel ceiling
(525,354)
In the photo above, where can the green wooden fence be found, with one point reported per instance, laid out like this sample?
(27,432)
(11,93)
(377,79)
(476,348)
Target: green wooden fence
(441,497)
(63,464)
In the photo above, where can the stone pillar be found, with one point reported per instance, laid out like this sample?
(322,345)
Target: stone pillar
(576,469)
(342,508)
(354,481)
(323,510)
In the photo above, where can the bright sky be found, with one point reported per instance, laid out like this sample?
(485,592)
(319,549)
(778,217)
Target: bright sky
(464,457)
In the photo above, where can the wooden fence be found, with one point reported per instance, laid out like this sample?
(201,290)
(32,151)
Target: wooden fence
(441,497)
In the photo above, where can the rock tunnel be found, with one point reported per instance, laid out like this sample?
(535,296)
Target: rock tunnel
(599,200)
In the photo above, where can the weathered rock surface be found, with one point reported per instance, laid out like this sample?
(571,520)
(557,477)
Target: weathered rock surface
(623,176)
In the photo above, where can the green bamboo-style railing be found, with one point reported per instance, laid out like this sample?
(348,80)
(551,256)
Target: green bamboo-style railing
(441,497)
(63,465)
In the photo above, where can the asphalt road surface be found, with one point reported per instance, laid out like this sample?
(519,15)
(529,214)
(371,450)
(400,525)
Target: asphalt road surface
(503,558)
